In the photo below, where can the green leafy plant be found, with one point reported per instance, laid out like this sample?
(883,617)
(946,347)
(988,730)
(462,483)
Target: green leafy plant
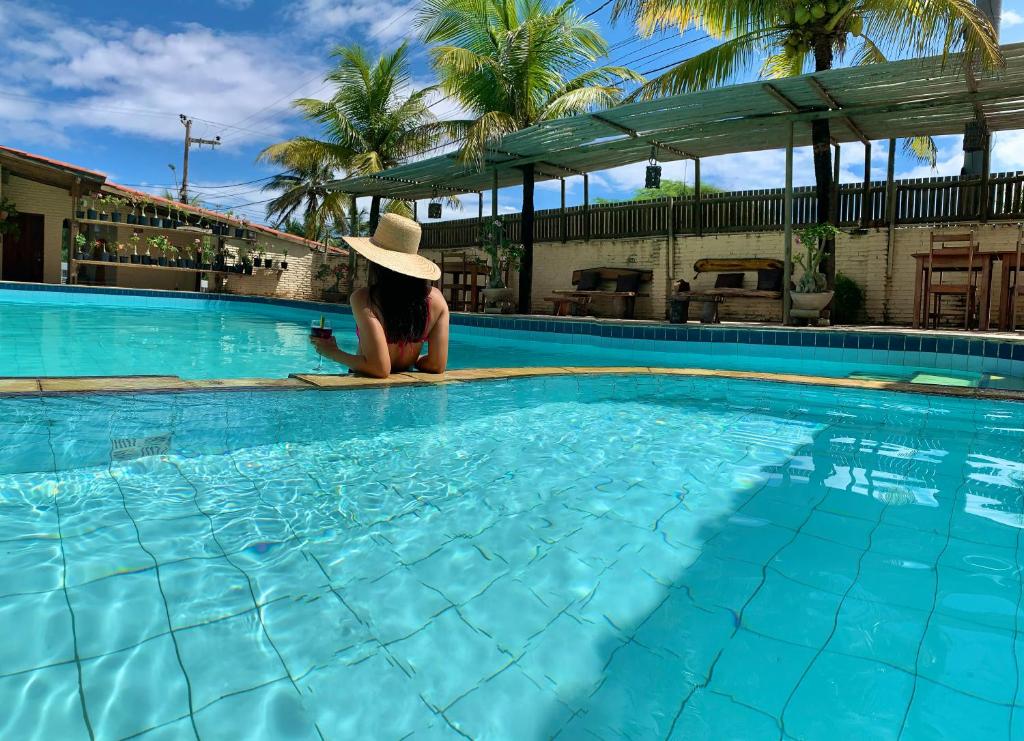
(848,304)
(160,243)
(337,271)
(134,242)
(8,218)
(814,239)
(503,253)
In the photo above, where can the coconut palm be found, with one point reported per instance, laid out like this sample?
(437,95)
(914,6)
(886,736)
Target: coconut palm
(514,63)
(788,37)
(302,189)
(371,122)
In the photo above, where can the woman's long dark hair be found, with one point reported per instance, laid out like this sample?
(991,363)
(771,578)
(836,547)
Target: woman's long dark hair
(401,302)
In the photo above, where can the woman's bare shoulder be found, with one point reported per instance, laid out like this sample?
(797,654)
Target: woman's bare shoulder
(360,297)
(437,301)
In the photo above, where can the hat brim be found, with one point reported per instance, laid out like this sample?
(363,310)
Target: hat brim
(415,266)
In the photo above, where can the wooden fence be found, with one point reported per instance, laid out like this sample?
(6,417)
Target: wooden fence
(939,200)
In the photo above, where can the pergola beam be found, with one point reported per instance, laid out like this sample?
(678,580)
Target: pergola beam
(786,102)
(632,134)
(835,105)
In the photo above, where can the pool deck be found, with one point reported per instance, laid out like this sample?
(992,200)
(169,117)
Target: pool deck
(130,384)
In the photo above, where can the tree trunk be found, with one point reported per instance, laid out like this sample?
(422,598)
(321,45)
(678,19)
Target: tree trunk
(354,230)
(821,144)
(374,213)
(526,266)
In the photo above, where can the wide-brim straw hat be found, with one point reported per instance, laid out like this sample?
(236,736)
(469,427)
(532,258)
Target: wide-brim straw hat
(395,245)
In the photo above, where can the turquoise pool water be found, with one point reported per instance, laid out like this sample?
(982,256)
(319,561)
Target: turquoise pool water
(89,334)
(609,557)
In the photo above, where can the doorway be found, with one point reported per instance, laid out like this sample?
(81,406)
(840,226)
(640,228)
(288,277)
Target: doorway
(23,252)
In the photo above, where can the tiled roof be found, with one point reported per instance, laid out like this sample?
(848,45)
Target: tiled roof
(54,163)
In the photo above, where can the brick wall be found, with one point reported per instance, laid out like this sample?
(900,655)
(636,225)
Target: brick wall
(863,258)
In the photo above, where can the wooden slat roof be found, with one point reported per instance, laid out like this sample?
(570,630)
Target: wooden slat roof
(926,97)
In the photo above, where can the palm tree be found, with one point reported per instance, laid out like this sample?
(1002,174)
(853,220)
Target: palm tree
(371,123)
(788,37)
(302,188)
(512,64)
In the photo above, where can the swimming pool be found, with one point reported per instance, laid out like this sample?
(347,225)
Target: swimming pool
(592,556)
(104,332)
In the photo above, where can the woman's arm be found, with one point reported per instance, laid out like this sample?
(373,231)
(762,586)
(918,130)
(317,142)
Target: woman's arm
(436,359)
(373,358)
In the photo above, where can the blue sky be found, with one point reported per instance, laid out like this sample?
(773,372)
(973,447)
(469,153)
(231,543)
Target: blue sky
(101,85)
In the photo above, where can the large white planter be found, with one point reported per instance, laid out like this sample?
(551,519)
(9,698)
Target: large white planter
(810,301)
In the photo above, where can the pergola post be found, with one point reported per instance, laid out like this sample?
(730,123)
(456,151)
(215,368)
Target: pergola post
(480,216)
(586,207)
(698,212)
(866,210)
(494,196)
(354,221)
(415,211)
(835,185)
(985,206)
(890,205)
(787,228)
(561,223)
(526,269)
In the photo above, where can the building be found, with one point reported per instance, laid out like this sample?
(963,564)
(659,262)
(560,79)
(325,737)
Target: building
(111,235)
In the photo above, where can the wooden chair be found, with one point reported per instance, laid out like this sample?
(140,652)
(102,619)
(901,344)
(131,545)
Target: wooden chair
(951,245)
(1016,288)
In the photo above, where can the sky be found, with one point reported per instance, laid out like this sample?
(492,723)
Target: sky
(101,85)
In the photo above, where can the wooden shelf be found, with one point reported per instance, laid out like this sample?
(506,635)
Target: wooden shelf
(162,229)
(105,264)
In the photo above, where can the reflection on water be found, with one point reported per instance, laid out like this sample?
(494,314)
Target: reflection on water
(611,557)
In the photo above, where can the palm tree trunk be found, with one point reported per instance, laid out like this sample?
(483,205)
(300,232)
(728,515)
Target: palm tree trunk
(374,213)
(821,141)
(354,229)
(526,265)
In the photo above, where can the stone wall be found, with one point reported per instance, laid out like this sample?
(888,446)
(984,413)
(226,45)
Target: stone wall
(889,293)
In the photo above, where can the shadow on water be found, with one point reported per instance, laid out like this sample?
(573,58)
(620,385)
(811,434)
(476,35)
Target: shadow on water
(788,619)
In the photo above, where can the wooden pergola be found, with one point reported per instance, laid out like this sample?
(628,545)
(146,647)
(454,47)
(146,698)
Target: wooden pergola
(919,97)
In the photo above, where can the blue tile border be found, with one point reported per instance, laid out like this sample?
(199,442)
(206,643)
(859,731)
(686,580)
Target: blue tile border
(837,340)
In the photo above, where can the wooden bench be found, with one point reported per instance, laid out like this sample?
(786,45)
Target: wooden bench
(713,297)
(578,301)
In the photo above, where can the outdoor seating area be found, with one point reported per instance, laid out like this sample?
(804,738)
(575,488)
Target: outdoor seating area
(955,268)
(729,284)
(601,283)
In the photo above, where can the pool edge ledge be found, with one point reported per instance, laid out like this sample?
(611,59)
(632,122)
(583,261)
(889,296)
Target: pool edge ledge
(47,386)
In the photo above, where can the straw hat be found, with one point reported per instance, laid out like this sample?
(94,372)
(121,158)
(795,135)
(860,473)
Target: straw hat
(394,245)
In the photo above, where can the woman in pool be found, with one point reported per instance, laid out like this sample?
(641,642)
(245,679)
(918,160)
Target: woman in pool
(399,310)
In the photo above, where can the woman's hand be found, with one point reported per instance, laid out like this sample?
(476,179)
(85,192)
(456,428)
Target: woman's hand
(326,346)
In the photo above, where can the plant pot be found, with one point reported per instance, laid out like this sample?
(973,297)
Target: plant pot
(104,216)
(247,269)
(122,258)
(284,264)
(116,217)
(250,234)
(91,215)
(162,262)
(135,259)
(80,256)
(239,233)
(268,264)
(79,214)
(190,263)
(206,266)
(168,223)
(256,262)
(111,257)
(811,301)
(131,219)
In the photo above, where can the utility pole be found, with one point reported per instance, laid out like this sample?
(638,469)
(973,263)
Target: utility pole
(189,141)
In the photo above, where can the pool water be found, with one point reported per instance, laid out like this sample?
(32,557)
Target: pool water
(609,557)
(61,334)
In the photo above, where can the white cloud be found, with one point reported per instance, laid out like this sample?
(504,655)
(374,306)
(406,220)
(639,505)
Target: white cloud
(380,20)
(236,4)
(136,80)
(1011,18)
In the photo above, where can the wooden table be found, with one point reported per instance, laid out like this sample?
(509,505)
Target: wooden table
(954,263)
(465,274)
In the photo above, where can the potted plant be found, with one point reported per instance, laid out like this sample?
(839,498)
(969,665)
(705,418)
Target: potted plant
(121,252)
(811,296)
(102,201)
(83,202)
(80,244)
(172,256)
(284,259)
(90,211)
(133,241)
(206,254)
(244,256)
(161,245)
(130,217)
(504,255)
(116,205)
